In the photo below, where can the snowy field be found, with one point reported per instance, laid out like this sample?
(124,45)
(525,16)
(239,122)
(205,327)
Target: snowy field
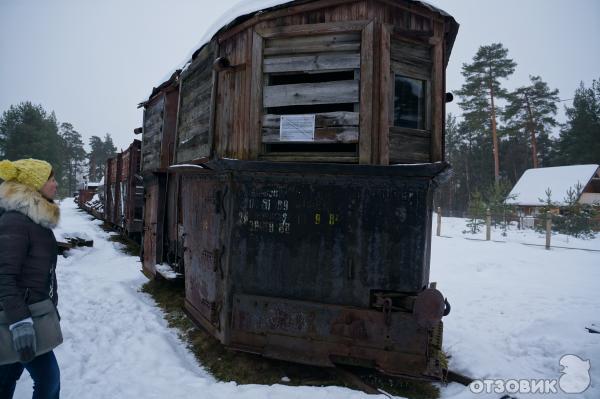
(516,310)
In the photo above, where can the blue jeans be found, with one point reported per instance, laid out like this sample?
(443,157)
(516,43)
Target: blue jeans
(44,373)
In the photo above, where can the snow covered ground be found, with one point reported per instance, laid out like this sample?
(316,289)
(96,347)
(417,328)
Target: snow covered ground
(516,310)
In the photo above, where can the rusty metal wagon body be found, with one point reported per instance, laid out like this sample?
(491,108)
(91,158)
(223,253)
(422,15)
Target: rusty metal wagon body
(293,180)
(319,264)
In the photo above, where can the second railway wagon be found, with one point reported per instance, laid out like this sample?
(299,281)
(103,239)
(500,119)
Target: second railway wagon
(294,179)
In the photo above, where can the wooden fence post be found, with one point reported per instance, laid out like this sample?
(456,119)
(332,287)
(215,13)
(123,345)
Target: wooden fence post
(548,229)
(439,221)
(488,225)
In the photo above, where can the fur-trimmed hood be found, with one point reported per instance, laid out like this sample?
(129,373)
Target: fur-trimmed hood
(30,202)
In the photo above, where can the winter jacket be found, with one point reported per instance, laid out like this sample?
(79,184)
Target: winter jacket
(28,249)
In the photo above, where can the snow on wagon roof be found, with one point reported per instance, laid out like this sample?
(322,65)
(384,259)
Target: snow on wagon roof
(245,9)
(532,186)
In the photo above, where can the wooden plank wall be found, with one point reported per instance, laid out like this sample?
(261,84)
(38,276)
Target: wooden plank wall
(242,124)
(152,134)
(170,126)
(232,119)
(193,136)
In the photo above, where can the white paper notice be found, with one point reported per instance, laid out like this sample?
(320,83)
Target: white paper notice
(297,128)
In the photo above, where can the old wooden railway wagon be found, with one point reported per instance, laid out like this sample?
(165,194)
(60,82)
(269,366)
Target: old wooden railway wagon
(123,194)
(307,144)
(162,241)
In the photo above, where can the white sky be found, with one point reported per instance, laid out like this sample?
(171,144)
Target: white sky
(92,62)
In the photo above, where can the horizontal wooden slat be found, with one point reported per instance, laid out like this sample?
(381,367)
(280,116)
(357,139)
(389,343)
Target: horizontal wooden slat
(411,58)
(326,40)
(343,91)
(314,48)
(409,145)
(413,71)
(345,134)
(349,42)
(312,63)
(326,119)
(312,29)
(310,157)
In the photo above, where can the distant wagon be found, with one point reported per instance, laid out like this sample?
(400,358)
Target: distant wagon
(290,168)
(123,195)
(162,217)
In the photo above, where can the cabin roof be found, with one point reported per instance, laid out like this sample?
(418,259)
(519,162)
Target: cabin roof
(245,10)
(531,188)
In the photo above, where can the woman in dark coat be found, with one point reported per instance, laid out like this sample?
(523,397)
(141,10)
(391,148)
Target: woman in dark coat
(27,268)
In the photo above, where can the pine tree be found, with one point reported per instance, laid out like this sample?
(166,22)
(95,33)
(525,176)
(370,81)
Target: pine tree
(530,113)
(476,214)
(454,194)
(73,156)
(101,151)
(28,131)
(481,90)
(579,141)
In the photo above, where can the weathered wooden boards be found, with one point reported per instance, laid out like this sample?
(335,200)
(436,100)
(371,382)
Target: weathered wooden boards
(152,134)
(195,108)
(318,58)
(411,59)
(330,127)
(325,73)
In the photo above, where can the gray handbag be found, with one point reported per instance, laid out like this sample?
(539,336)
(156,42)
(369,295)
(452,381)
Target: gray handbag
(47,331)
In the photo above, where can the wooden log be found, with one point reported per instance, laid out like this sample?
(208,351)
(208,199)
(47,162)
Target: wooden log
(312,63)
(326,119)
(337,92)
(346,134)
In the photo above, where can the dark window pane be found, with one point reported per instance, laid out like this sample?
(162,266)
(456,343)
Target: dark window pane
(409,102)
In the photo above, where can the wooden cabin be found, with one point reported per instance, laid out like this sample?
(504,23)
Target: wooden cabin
(529,196)
(316,81)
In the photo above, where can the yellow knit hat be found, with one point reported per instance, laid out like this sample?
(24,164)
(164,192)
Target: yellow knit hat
(31,172)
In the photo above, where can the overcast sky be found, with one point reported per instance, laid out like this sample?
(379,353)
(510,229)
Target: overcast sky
(92,62)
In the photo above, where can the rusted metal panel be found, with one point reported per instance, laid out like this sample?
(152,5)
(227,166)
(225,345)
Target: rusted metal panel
(119,191)
(173,225)
(133,194)
(84,196)
(204,251)
(351,234)
(314,263)
(324,334)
